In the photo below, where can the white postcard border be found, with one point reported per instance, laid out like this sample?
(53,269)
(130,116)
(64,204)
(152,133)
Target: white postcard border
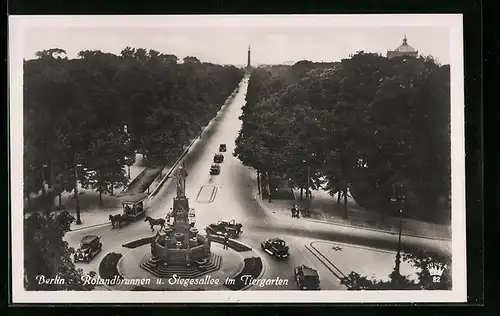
(17,26)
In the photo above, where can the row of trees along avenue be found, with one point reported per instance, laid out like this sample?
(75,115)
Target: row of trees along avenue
(75,113)
(375,127)
(87,117)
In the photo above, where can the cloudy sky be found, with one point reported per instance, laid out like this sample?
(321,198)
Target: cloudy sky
(225,39)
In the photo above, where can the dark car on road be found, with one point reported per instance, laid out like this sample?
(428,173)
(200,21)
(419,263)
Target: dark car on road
(90,246)
(218,158)
(231,228)
(215,169)
(307,278)
(222,147)
(276,247)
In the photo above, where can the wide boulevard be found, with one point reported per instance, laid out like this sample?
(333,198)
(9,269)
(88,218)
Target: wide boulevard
(236,198)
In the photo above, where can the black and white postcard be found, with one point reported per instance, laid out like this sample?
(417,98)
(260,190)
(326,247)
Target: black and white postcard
(284,159)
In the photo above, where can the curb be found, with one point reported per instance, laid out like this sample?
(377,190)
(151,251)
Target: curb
(219,241)
(261,203)
(108,287)
(90,226)
(255,254)
(327,265)
(258,277)
(311,245)
(131,181)
(212,194)
(164,179)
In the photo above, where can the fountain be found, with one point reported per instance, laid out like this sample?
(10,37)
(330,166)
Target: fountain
(180,250)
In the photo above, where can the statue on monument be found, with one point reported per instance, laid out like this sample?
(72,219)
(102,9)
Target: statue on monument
(181,181)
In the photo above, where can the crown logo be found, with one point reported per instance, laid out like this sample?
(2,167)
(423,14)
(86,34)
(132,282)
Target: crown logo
(436,271)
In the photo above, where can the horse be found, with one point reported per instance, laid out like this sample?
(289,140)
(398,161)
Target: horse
(116,220)
(155,222)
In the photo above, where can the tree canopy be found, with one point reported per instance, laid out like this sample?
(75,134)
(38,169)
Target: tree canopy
(47,255)
(378,128)
(76,110)
(420,260)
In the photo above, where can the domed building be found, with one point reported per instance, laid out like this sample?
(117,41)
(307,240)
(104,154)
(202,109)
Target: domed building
(403,50)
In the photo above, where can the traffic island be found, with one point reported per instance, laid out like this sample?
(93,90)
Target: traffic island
(237,267)
(108,266)
(180,258)
(230,265)
(251,270)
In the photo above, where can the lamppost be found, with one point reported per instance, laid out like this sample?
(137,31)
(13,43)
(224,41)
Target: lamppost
(43,178)
(44,189)
(127,144)
(400,198)
(398,254)
(308,194)
(78,218)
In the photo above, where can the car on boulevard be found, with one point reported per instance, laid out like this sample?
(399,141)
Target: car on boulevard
(222,147)
(306,277)
(90,246)
(215,169)
(276,247)
(218,158)
(231,228)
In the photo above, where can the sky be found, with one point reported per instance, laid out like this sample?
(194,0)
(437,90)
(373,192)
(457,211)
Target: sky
(225,39)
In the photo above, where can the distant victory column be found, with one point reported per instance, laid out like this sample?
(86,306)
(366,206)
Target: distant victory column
(248,58)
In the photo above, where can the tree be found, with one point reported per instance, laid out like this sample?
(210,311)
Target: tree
(76,109)
(191,59)
(105,161)
(338,114)
(47,255)
(49,53)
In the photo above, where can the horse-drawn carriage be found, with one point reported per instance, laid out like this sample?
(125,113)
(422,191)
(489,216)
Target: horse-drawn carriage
(134,206)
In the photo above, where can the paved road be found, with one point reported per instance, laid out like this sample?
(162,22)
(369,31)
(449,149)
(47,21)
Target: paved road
(234,198)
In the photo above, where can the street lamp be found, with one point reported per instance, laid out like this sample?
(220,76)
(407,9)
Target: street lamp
(78,218)
(43,178)
(398,253)
(44,189)
(308,194)
(400,199)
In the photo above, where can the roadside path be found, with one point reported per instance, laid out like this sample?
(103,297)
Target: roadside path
(324,208)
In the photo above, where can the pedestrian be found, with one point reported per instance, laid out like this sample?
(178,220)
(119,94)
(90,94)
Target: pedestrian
(293,211)
(226,240)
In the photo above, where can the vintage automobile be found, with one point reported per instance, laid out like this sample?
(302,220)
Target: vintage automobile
(222,147)
(231,228)
(276,247)
(90,246)
(218,158)
(215,169)
(307,278)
